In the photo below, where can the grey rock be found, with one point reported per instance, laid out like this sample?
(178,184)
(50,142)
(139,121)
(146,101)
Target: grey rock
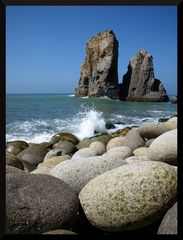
(61,232)
(133,139)
(33,154)
(36,203)
(139,83)
(12,160)
(99,74)
(53,153)
(169,222)
(65,146)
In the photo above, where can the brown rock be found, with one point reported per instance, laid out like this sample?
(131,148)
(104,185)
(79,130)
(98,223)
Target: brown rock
(99,74)
(139,83)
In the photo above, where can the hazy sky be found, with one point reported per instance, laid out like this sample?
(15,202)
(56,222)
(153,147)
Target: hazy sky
(45,45)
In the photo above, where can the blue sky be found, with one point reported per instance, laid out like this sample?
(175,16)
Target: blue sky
(45,45)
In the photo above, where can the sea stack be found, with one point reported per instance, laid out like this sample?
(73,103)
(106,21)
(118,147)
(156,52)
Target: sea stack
(139,83)
(99,73)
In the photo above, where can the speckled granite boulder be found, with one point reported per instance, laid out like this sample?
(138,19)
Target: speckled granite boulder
(12,160)
(50,163)
(84,152)
(78,172)
(98,147)
(169,222)
(131,196)
(118,152)
(140,151)
(115,142)
(134,140)
(38,203)
(136,159)
(164,148)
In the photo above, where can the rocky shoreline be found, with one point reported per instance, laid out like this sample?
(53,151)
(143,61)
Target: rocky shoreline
(111,183)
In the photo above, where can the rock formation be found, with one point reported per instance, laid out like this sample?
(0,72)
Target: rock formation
(99,73)
(139,83)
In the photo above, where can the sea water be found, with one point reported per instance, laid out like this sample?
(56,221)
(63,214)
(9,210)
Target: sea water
(37,117)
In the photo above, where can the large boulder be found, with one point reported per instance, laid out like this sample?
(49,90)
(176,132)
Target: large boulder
(38,203)
(164,148)
(139,83)
(169,222)
(98,147)
(99,73)
(131,196)
(115,142)
(64,136)
(65,146)
(118,152)
(78,172)
(12,160)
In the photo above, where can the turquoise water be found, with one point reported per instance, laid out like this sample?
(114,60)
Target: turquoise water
(37,117)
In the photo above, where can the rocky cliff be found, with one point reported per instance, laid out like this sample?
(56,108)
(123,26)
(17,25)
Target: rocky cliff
(99,73)
(139,83)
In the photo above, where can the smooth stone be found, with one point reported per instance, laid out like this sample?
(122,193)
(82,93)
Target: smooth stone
(140,151)
(154,130)
(64,136)
(164,148)
(84,152)
(136,159)
(77,173)
(33,154)
(118,152)
(104,138)
(148,142)
(169,222)
(98,147)
(115,142)
(16,147)
(65,146)
(129,197)
(61,232)
(38,203)
(133,140)
(50,163)
(12,160)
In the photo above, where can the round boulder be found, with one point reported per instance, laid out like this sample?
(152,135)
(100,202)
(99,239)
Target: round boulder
(77,173)
(38,203)
(98,147)
(169,222)
(119,152)
(84,152)
(129,197)
(64,136)
(140,151)
(115,142)
(164,148)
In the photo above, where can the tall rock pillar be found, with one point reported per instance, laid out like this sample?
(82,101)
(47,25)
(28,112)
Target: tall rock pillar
(139,83)
(99,73)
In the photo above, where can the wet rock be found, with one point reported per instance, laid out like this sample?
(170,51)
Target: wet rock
(109,125)
(16,147)
(64,136)
(65,146)
(12,160)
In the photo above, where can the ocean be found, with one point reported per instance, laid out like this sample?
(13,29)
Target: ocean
(36,118)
